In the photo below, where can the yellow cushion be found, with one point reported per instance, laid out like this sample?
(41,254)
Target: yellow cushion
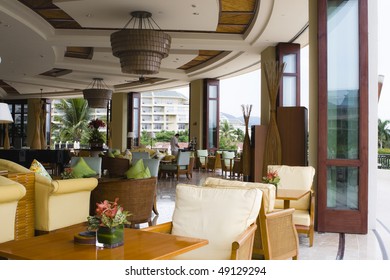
(37,167)
(82,170)
(301,217)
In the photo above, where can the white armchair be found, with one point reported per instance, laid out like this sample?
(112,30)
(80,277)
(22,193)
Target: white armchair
(204,212)
(298,177)
(58,203)
(10,193)
(276,237)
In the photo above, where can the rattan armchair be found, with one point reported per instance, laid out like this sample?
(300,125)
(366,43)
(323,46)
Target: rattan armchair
(135,195)
(183,165)
(201,159)
(276,236)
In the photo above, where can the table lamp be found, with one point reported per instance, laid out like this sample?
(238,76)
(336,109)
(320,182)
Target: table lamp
(6,118)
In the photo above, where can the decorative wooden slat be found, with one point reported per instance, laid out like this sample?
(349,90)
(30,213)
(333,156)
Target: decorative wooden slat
(25,212)
(238,5)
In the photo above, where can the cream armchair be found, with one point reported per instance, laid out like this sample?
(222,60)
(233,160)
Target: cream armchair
(224,216)
(299,177)
(276,237)
(58,203)
(10,193)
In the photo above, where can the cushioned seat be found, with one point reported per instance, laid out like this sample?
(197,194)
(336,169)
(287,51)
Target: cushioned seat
(183,165)
(10,193)
(227,162)
(276,236)
(205,212)
(298,177)
(201,159)
(58,203)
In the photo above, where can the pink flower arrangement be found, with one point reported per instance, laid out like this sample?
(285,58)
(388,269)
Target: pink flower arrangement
(272,178)
(108,214)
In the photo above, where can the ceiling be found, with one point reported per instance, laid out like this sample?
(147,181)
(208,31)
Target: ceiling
(58,46)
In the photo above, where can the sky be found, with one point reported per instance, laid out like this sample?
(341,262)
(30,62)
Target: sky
(384,58)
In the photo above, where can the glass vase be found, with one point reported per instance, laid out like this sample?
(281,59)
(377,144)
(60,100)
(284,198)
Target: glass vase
(110,237)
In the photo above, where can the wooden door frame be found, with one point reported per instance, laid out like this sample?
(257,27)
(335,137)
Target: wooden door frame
(332,220)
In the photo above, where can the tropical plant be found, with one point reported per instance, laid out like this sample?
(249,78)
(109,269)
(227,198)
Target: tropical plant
(383,133)
(108,214)
(227,136)
(95,136)
(72,123)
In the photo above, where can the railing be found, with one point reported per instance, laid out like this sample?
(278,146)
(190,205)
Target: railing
(383,161)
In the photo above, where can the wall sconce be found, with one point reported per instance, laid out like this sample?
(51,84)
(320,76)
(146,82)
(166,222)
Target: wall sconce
(5,118)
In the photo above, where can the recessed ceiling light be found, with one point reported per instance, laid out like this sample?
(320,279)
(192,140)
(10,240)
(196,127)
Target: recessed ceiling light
(193,6)
(195,14)
(89,15)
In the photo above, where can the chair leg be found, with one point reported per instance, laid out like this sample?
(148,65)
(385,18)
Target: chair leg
(311,236)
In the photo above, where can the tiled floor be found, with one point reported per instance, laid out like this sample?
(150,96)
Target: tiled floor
(373,246)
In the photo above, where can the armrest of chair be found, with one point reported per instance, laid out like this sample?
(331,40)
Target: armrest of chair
(281,236)
(10,191)
(73,185)
(312,206)
(161,228)
(242,247)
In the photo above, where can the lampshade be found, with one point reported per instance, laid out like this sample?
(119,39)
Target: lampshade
(130,134)
(140,50)
(98,94)
(5,114)
(152,135)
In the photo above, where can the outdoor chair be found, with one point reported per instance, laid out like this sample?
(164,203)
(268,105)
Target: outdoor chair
(201,159)
(227,163)
(183,165)
(214,162)
(298,177)
(224,216)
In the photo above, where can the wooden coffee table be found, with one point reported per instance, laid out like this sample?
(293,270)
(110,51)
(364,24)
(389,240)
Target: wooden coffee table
(138,245)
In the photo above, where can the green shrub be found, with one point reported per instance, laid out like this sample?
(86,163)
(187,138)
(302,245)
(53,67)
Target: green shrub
(384,151)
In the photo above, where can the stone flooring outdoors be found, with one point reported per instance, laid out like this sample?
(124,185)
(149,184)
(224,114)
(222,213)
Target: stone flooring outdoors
(327,246)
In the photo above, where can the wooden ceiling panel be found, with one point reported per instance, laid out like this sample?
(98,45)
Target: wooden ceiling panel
(79,52)
(8,88)
(238,29)
(235,18)
(234,5)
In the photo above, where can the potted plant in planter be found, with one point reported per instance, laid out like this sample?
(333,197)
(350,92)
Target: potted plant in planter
(109,223)
(96,138)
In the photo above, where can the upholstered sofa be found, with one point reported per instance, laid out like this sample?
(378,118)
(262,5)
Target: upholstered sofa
(10,193)
(58,203)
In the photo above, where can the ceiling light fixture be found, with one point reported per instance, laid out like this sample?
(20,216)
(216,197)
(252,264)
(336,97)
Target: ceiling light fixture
(97,94)
(140,49)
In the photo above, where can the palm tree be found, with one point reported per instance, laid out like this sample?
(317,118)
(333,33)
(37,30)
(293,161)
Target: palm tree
(383,133)
(72,124)
(227,136)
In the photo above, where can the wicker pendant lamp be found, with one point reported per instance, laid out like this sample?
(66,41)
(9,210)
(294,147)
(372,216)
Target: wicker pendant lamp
(141,48)
(98,94)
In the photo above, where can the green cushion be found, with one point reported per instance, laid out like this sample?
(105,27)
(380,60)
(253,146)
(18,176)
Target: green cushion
(82,170)
(138,167)
(37,167)
(143,174)
(109,154)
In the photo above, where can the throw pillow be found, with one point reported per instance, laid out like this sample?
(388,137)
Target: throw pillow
(138,167)
(110,154)
(37,167)
(82,170)
(143,174)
